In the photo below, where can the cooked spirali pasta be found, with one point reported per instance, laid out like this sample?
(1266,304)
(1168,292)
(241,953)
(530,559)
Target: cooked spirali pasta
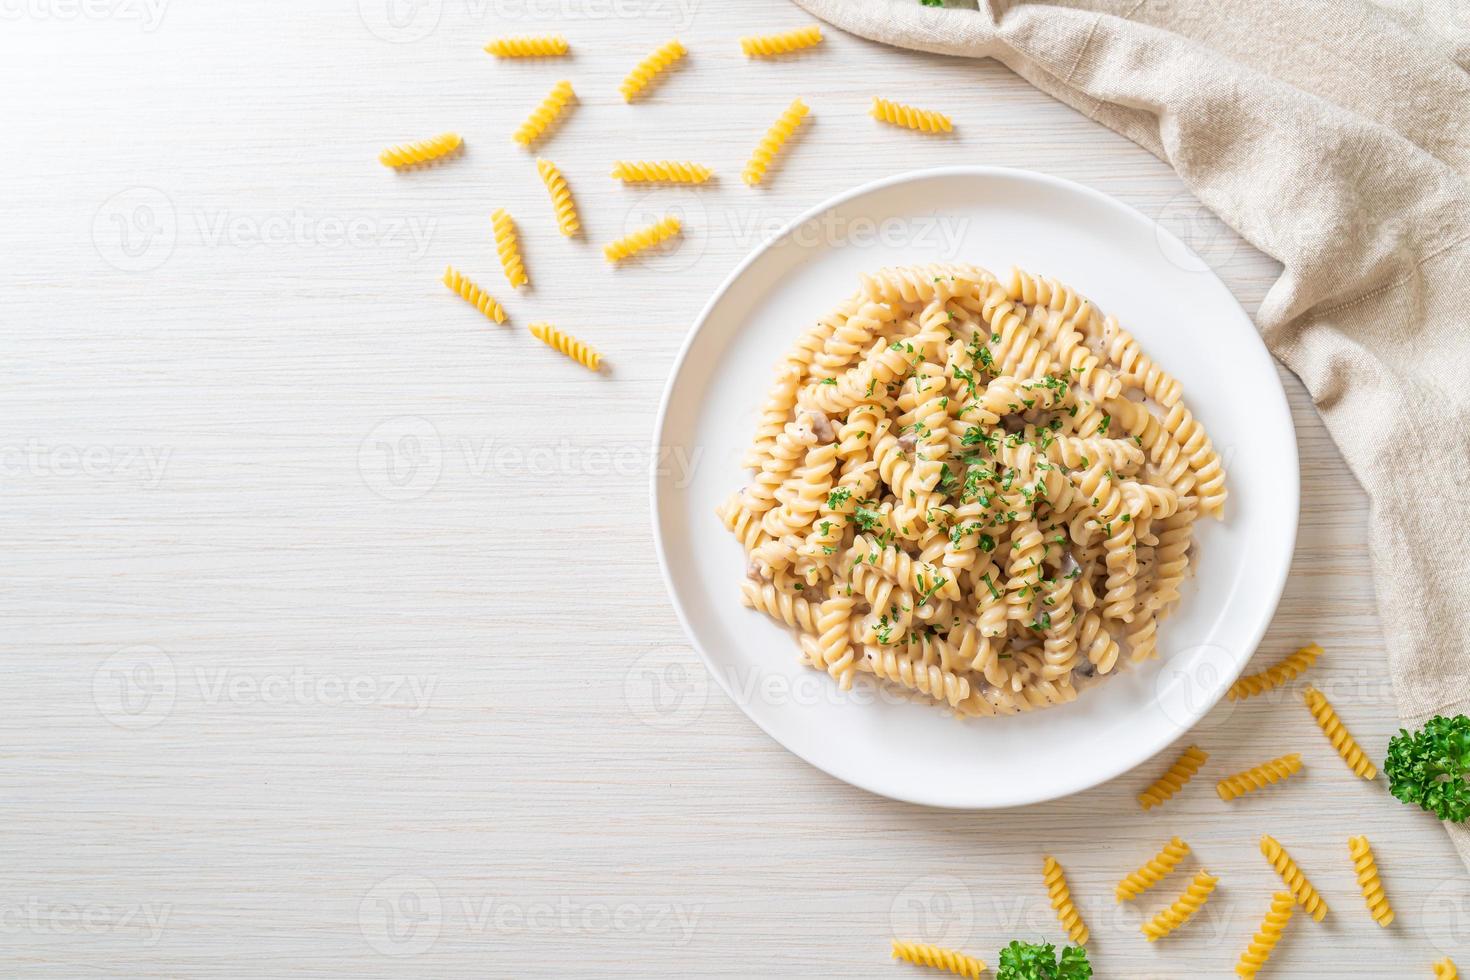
(909,117)
(1306,895)
(1342,740)
(1258,777)
(567,344)
(1366,868)
(538,124)
(660,171)
(650,68)
(547,46)
(642,239)
(1259,951)
(774,139)
(473,294)
(767,45)
(561,198)
(1183,908)
(411,154)
(946,477)
(927,954)
(1153,871)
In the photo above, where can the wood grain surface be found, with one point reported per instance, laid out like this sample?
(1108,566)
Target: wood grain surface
(332,640)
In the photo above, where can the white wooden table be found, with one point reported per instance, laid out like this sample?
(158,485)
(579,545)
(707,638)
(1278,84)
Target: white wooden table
(333,639)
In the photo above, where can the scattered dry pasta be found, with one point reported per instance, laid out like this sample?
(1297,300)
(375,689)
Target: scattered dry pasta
(1264,941)
(1135,883)
(944,476)
(649,68)
(541,119)
(1306,896)
(1174,778)
(473,294)
(1061,901)
(1258,777)
(767,45)
(507,248)
(1445,970)
(659,171)
(909,117)
(1277,674)
(1343,741)
(927,954)
(642,239)
(771,143)
(561,197)
(1366,868)
(1184,907)
(567,344)
(547,46)
(410,154)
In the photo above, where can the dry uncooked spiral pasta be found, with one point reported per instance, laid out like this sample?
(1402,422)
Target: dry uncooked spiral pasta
(768,45)
(473,294)
(927,954)
(910,117)
(1061,902)
(1259,951)
(660,171)
(771,144)
(642,239)
(561,197)
(1135,883)
(410,154)
(935,477)
(1445,970)
(1306,895)
(541,119)
(1277,674)
(1259,777)
(542,46)
(507,247)
(568,345)
(1366,868)
(1342,740)
(1183,908)
(650,67)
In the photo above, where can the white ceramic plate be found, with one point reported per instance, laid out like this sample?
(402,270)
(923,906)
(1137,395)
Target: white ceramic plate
(1184,317)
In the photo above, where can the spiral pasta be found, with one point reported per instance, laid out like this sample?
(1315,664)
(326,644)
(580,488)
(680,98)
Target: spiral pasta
(1306,895)
(1061,901)
(927,954)
(561,198)
(642,239)
(651,67)
(935,477)
(771,144)
(410,154)
(660,171)
(1174,778)
(1258,777)
(1445,970)
(545,46)
(538,124)
(1366,868)
(567,344)
(473,294)
(909,117)
(1183,908)
(768,45)
(1259,951)
(1137,882)
(508,248)
(1277,674)
(1347,746)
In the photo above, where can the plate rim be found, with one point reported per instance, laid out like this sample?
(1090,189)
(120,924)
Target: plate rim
(1103,773)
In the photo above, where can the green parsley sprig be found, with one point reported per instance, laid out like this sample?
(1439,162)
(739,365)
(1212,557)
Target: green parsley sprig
(1429,767)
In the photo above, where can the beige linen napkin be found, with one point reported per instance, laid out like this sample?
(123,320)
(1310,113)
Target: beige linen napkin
(1335,137)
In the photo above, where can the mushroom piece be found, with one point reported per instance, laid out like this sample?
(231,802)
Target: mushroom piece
(821,425)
